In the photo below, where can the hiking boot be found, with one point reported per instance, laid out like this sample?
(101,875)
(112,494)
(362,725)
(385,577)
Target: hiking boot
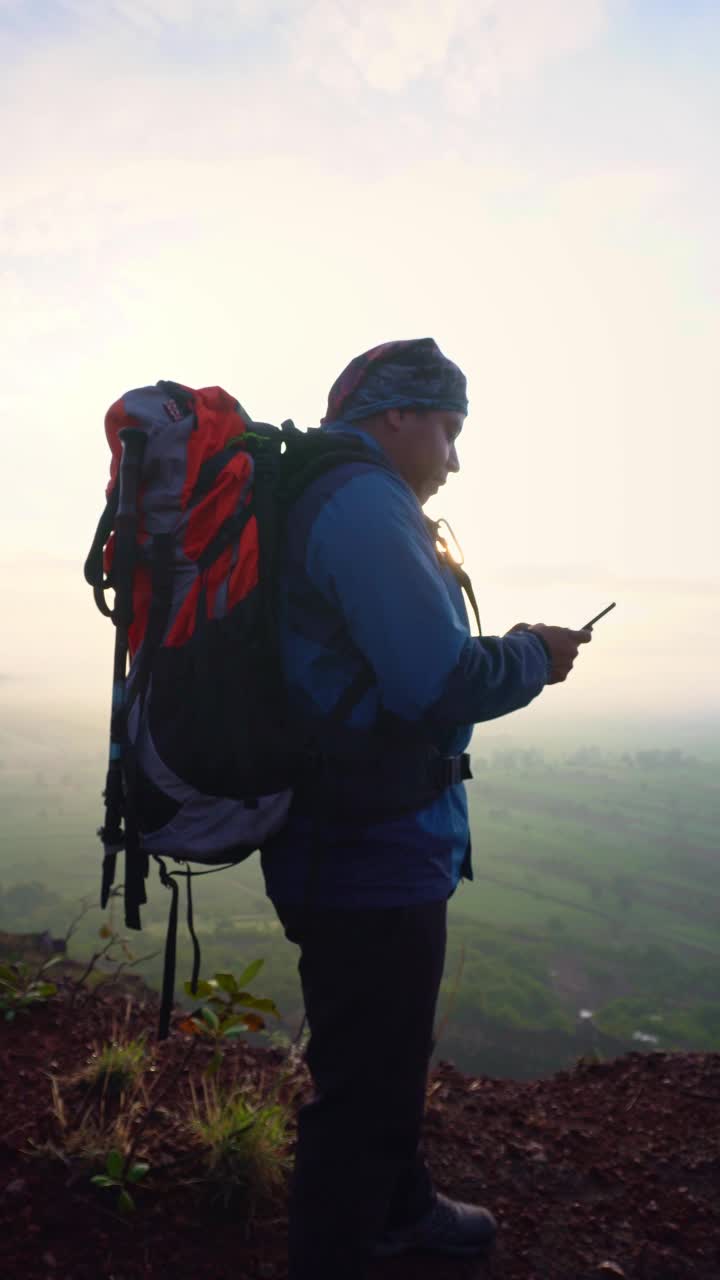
(460,1230)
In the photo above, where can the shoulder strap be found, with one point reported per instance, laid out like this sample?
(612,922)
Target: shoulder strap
(310,454)
(464,580)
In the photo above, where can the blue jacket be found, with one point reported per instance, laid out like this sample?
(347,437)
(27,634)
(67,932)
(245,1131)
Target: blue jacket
(363,587)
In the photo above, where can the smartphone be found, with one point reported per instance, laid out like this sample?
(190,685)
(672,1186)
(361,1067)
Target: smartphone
(589,625)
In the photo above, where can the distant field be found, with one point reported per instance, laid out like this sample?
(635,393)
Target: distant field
(597,886)
(631,844)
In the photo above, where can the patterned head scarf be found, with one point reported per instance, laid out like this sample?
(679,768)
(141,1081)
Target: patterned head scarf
(397,375)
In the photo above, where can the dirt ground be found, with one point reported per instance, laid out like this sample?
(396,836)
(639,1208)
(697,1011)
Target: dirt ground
(610,1170)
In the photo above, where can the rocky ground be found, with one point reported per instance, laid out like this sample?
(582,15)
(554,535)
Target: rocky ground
(609,1170)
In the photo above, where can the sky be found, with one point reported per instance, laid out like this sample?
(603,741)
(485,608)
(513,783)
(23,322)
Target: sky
(250,192)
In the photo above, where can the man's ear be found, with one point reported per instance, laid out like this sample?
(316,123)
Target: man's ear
(395,419)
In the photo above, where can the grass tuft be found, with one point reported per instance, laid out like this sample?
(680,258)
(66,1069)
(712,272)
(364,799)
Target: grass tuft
(116,1068)
(82,1139)
(243,1144)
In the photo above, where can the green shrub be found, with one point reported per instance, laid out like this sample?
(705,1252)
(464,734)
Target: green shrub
(243,1144)
(228,1012)
(22,990)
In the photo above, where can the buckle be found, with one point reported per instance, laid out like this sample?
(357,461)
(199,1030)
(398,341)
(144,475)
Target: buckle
(450,771)
(454,769)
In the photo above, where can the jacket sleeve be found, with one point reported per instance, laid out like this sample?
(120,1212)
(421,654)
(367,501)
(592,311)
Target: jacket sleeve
(370,556)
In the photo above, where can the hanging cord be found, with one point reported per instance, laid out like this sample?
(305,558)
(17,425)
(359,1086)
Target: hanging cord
(169,880)
(169,963)
(451,554)
(191,930)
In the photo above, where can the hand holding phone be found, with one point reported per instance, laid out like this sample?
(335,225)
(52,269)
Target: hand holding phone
(562,645)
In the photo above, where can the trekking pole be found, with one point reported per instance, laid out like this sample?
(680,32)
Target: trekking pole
(133,443)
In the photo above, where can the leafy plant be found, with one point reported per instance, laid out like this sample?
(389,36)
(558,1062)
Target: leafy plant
(120,1173)
(229,1010)
(243,1142)
(21,989)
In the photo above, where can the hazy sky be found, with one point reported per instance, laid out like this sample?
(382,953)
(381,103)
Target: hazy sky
(249,192)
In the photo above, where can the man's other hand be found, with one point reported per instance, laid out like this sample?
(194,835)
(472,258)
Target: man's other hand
(561,643)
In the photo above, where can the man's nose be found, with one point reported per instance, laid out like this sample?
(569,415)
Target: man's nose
(453,460)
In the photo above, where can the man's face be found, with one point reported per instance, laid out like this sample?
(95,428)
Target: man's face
(423,447)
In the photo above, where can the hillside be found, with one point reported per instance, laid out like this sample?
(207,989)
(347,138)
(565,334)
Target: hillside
(610,1169)
(591,920)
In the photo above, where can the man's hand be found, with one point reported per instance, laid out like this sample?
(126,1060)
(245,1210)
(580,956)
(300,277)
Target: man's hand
(561,643)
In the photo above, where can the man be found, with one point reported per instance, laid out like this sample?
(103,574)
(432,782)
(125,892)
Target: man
(386,683)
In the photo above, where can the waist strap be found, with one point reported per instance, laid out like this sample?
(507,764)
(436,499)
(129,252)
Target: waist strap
(381,787)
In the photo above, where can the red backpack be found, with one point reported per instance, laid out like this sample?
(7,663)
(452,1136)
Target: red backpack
(202,756)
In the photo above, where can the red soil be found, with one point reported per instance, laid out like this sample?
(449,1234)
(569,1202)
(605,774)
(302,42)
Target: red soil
(605,1171)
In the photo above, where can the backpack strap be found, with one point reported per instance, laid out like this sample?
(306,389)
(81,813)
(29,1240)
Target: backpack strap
(111,833)
(309,454)
(136,861)
(352,696)
(463,579)
(94,569)
(161,595)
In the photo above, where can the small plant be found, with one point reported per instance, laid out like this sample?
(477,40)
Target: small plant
(114,950)
(21,989)
(243,1143)
(80,1136)
(116,1067)
(109,960)
(121,1174)
(229,1011)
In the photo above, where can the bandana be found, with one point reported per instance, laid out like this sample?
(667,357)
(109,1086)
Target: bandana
(397,375)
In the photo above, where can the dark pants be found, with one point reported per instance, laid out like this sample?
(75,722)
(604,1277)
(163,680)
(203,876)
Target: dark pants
(370,980)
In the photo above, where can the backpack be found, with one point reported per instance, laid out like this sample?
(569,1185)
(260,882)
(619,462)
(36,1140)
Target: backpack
(202,757)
